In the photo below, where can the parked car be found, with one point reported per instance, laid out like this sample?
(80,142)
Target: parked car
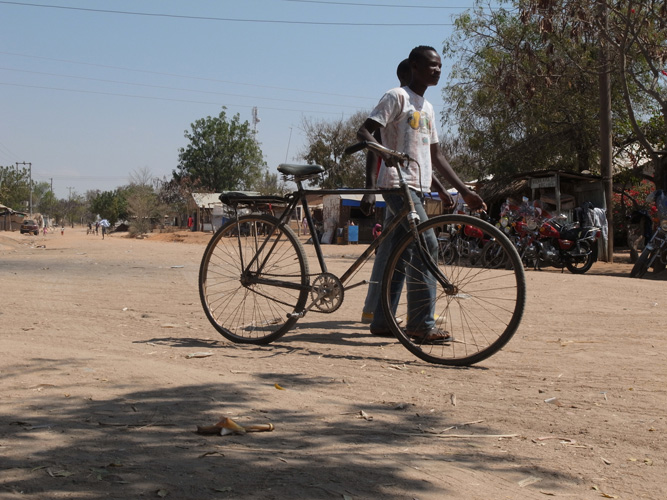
(29,226)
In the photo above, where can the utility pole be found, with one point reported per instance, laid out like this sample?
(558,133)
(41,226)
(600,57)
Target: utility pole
(605,131)
(30,176)
(255,118)
(288,143)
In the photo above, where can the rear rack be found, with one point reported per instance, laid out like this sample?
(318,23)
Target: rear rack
(233,198)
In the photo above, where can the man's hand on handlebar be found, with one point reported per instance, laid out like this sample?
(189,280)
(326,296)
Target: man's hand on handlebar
(445,198)
(367,204)
(391,160)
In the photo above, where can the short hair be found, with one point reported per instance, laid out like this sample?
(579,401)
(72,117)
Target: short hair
(420,53)
(404,69)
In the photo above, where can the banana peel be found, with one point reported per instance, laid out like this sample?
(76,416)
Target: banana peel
(228,426)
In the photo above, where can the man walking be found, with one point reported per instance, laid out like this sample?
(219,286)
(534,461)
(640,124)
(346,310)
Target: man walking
(407,124)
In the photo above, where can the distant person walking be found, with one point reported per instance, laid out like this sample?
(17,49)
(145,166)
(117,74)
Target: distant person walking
(105,226)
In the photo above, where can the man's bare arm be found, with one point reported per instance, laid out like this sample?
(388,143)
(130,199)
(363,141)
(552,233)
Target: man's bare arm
(439,161)
(368,200)
(445,197)
(366,133)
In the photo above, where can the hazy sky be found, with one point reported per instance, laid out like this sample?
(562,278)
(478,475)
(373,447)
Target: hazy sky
(92,90)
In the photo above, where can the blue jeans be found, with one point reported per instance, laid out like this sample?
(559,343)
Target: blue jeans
(421,299)
(379,265)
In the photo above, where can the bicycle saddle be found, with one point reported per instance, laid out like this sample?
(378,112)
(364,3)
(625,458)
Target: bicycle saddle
(300,170)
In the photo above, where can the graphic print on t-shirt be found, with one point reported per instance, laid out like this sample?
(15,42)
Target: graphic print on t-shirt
(420,123)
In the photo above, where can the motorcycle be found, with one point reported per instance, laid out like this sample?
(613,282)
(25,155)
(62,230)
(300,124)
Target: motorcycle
(520,224)
(654,254)
(461,242)
(566,245)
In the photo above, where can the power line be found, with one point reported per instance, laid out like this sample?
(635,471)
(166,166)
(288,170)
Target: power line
(355,4)
(164,87)
(80,177)
(223,19)
(214,80)
(5,150)
(161,98)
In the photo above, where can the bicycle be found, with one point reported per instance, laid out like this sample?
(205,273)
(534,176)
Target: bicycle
(255,281)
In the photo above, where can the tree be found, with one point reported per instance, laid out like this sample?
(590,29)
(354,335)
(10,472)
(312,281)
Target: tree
(39,190)
(15,188)
(143,204)
(520,101)
(635,32)
(177,195)
(47,203)
(223,155)
(270,184)
(110,205)
(326,143)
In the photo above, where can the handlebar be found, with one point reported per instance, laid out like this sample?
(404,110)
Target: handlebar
(377,147)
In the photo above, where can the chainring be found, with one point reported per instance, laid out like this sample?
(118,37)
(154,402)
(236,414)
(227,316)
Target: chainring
(327,293)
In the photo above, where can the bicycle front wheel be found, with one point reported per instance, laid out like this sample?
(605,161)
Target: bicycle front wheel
(481,310)
(253,275)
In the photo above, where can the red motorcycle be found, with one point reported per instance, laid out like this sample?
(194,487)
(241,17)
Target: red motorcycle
(520,226)
(462,242)
(566,245)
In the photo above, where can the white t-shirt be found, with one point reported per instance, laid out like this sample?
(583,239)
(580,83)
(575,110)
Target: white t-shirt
(408,122)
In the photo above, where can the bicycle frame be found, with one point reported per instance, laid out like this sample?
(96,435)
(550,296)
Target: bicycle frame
(300,197)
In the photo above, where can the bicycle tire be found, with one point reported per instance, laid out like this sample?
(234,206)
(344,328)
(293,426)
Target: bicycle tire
(483,314)
(242,310)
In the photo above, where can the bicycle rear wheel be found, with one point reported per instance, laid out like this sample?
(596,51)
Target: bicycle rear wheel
(484,309)
(252,275)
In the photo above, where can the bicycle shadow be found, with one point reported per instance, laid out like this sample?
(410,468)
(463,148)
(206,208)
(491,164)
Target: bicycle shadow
(327,332)
(189,342)
(301,345)
(336,331)
(311,339)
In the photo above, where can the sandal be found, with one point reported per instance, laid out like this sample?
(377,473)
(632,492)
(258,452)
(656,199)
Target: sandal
(434,336)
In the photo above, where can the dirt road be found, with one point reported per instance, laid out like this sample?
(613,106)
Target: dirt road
(101,394)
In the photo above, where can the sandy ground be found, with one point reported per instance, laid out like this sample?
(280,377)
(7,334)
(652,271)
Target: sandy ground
(100,397)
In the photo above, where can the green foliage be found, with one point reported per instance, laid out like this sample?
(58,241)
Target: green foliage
(222,155)
(15,188)
(47,203)
(524,95)
(327,141)
(270,184)
(518,101)
(634,34)
(111,205)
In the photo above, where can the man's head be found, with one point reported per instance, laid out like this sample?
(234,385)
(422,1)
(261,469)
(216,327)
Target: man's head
(426,65)
(404,73)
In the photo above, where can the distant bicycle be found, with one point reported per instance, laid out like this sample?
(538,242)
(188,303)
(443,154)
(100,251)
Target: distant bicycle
(255,281)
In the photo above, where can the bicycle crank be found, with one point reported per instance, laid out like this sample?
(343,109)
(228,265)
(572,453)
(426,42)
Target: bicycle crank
(327,293)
